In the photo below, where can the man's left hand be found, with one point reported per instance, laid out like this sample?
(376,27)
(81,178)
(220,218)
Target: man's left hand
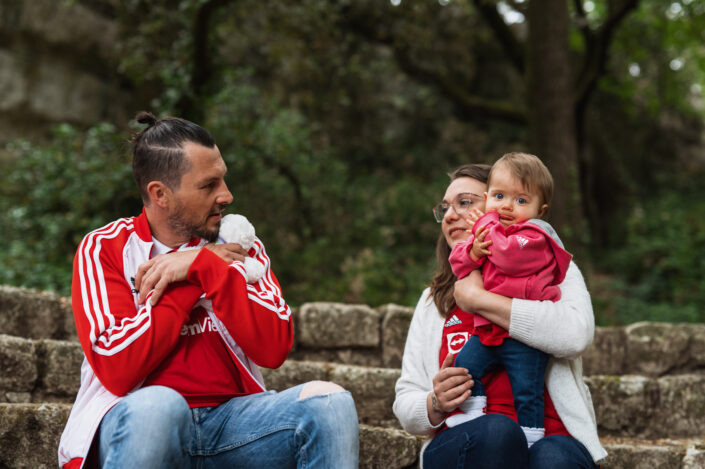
(158,272)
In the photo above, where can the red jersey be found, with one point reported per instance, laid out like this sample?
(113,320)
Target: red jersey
(457,329)
(127,344)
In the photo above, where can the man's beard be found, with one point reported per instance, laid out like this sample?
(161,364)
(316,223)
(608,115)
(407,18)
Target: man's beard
(184,227)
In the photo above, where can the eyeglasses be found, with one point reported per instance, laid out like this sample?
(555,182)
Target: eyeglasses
(463,204)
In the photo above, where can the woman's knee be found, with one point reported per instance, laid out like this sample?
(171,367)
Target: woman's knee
(490,441)
(560,452)
(503,432)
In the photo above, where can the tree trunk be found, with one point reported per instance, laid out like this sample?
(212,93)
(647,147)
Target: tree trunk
(551,112)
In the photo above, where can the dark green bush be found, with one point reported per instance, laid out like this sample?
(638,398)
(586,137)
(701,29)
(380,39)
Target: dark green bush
(333,232)
(659,272)
(54,194)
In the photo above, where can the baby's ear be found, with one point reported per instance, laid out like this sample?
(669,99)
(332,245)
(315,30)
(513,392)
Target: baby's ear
(542,210)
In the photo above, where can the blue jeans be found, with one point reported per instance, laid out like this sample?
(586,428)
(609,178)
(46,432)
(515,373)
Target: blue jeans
(525,367)
(154,427)
(497,442)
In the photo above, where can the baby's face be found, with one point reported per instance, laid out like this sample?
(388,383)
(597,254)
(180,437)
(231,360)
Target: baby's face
(507,196)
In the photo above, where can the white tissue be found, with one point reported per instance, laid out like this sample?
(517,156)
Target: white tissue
(237,229)
(254,269)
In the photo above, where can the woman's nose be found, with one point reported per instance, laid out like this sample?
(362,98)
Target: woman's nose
(450,214)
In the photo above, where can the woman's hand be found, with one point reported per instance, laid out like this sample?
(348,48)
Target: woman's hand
(472,216)
(470,295)
(451,386)
(468,291)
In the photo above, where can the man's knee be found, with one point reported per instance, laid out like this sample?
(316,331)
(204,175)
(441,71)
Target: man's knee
(148,428)
(156,405)
(328,404)
(315,388)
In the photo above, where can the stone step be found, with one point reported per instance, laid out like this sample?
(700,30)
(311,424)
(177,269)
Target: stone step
(29,437)
(626,406)
(647,348)
(35,314)
(361,335)
(631,453)
(41,370)
(629,405)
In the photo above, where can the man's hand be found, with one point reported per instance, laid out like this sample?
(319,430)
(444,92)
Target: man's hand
(158,272)
(451,386)
(229,252)
(479,245)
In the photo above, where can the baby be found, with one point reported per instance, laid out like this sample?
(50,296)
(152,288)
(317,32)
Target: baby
(520,257)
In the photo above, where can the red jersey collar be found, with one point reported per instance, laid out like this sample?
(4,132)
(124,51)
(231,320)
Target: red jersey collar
(145,234)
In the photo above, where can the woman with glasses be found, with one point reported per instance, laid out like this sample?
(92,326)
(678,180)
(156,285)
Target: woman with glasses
(430,387)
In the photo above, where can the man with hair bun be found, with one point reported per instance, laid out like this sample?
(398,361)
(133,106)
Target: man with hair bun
(174,335)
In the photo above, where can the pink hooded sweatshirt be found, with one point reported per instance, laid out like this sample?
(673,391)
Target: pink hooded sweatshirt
(526,263)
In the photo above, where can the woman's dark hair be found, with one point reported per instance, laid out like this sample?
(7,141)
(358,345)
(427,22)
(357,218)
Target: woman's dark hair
(443,282)
(157,151)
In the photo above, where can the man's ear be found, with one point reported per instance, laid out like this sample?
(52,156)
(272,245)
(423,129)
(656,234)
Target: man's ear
(542,210)
(159,194)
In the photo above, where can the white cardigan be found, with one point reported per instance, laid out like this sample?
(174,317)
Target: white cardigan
(563,329)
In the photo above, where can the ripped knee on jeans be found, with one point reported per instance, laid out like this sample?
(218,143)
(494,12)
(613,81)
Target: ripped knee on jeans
(315,388)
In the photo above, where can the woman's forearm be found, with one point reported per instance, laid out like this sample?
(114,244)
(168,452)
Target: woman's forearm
(563,329)
(434,416)
(470,295)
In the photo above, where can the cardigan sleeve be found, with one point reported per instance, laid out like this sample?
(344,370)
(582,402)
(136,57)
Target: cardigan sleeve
(417,371)
(564,328)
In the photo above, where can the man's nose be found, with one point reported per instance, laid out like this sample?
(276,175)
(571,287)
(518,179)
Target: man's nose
(225,197)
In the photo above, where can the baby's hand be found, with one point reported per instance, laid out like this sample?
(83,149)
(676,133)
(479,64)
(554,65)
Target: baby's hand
(472,216)
(479,245)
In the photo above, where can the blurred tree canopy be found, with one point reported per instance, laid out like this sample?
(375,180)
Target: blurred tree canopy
(339,120)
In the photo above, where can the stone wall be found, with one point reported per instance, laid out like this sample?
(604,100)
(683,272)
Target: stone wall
(57,64)
(646,381)
(367,336)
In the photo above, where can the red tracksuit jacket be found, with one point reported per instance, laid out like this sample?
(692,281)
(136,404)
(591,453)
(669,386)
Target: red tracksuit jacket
(124,342)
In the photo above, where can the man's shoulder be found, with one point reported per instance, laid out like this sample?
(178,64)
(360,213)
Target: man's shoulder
(115,231)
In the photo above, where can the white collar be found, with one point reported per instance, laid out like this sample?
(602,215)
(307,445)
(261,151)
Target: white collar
(159,248)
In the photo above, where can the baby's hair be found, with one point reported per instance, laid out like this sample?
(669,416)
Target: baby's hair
(530,170)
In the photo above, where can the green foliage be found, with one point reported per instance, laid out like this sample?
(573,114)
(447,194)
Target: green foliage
(338,123)
(332,233)
(52,195)
(660,270)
